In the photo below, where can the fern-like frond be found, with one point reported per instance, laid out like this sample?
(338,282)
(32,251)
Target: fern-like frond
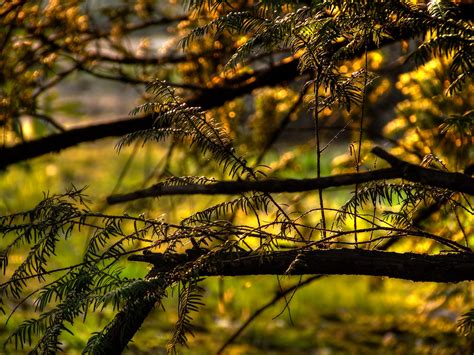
(255,202)
(392,194)
(51,324)
(136,293)
(45,225)
(173,118)
(462,125)
(466,323)
(442,9)
(189,300)
(274,33)
(233,22)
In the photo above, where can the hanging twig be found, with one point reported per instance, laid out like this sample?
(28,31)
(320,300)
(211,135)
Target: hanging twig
(279,295)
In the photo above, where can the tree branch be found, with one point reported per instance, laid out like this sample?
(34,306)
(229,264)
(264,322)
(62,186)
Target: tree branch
(207,99)
(118,333)
(269,185)
(400,169)
(457,182)
(407,266)
(57,142)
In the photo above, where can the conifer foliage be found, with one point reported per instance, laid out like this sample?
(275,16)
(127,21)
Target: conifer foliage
(319,56)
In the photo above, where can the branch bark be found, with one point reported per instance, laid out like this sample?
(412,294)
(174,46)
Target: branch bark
(407,266)
(400,169)
(128,321)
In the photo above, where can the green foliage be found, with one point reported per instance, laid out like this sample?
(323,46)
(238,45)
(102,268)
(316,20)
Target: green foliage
(408,196)
(453,39)
(252,203)
(189,300)
(173,118)
(93,284)
(466,323)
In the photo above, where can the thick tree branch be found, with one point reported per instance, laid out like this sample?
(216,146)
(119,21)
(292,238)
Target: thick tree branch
(128,321)
(456,182)
(171,58)
(400,169)
(407,266)
(207,99)
(57,142)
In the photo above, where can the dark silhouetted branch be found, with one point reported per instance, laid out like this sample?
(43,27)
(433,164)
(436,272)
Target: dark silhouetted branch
(128,321)
(269,185)
(213,97)
(57,142)
(400,169)
(171,58)
(407,266)
(456,182)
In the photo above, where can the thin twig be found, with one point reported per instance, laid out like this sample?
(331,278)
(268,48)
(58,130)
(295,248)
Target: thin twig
(280,294)
(361,132)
